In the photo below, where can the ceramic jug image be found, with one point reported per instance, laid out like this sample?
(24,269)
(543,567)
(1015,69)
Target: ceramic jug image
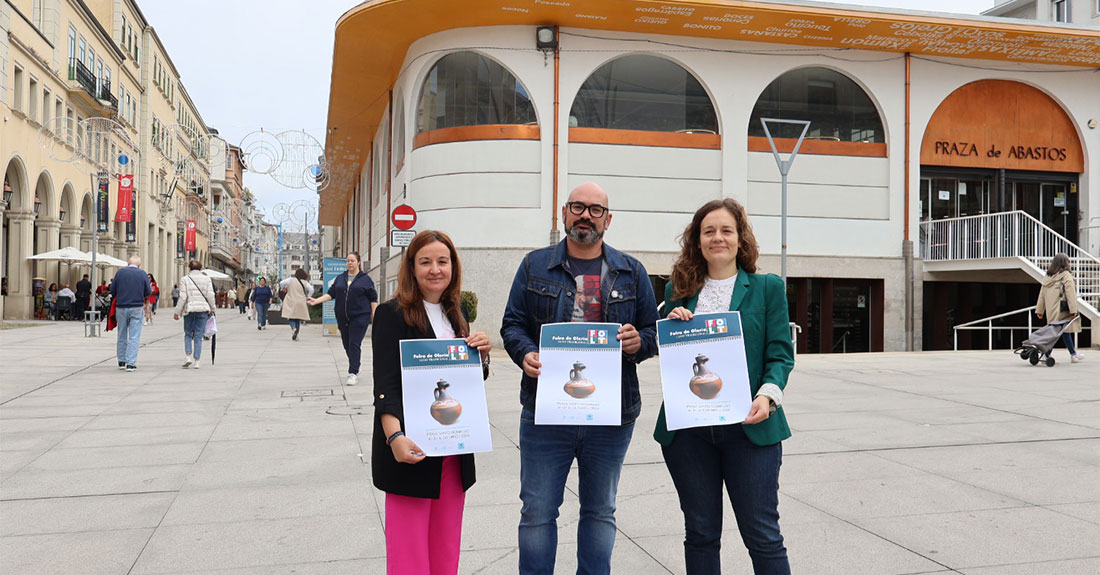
(705,383)
(445,409)
(578,386)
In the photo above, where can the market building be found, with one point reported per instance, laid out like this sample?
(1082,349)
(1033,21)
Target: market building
(947,159)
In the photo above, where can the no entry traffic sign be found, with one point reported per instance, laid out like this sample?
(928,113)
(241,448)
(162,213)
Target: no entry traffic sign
(403,217)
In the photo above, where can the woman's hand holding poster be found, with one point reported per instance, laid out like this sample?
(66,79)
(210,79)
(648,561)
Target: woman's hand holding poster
(443,397)
(703,370)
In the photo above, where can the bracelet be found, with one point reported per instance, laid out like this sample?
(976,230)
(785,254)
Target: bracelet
(395,435)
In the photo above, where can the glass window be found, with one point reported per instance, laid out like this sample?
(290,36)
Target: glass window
(398,129)
(468,89)
(837,108)
(643,92)
(72,43)
(1058,11)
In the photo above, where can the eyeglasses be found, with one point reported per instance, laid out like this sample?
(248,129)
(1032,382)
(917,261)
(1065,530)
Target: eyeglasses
(595,210)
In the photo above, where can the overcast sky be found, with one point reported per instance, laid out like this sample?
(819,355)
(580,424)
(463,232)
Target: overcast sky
(251,64)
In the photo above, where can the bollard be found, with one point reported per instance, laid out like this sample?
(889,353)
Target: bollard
(91,323)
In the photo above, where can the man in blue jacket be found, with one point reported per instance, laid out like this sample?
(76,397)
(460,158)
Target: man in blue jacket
(579,279)
(129,290)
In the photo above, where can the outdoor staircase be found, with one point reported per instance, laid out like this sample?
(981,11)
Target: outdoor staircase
(1009,240)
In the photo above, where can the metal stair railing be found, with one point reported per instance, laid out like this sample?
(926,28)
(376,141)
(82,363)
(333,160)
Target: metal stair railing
(1009,235)
(1011,329)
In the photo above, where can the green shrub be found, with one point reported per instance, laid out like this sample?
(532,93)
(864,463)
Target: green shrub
(469,304)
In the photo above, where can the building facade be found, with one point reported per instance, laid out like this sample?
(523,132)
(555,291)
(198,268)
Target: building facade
(64,61)
(947,157)
(1080,12)
(229,231)
(301,251)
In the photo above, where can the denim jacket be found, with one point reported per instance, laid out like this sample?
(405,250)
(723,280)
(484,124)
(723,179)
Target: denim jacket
(543,292)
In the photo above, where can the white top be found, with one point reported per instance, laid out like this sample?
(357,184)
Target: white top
(716,295)
(440,324)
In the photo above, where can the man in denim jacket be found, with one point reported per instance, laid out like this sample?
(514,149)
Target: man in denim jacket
(579,279)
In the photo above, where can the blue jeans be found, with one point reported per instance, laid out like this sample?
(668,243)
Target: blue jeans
(700,460)
(194,328)
(546,453)
(261,313)
(129,333)
(1068,338)
(295,324)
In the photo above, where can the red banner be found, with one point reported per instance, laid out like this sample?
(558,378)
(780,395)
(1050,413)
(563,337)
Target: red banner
(189,237)
(123,212)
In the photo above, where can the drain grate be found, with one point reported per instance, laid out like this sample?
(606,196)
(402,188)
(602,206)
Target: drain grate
(348,410)
(321,392)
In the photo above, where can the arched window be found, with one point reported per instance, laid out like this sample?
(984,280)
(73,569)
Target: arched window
(837,108)
(398,132)
(643,92)
(468,89)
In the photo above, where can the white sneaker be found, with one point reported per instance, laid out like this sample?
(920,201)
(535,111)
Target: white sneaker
(195,365)
(353,379)
(1077,357)
(187,361)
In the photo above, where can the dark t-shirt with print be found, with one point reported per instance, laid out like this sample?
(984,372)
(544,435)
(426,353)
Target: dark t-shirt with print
(587,305)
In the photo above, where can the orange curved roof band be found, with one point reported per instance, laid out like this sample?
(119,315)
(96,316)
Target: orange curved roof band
(1001,124)
(474,133)
(373,38)
(820,147)
(644,138)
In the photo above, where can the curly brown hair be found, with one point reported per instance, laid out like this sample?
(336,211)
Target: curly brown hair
(409,297)
(689,273)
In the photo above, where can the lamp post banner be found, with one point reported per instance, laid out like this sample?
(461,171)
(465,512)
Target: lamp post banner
(123,211)
(131,225)
(189,239)
(103,201)
(179,239)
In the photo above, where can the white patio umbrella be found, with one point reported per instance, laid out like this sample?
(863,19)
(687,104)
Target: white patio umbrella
(69,254)
(215,274)
(104,260)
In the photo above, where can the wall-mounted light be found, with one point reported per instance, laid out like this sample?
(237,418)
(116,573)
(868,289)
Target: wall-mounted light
(61,215)
(1092,126)
(546,38)
(82,220)
(7,194)
(37,205)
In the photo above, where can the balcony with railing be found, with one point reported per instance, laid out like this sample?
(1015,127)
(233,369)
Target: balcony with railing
(83,77)
(84,84)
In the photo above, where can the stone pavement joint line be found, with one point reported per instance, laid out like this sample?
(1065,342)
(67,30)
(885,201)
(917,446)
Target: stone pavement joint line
(969,462)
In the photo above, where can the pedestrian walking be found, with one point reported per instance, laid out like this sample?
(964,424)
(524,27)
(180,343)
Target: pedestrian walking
(1058,301)
(196,305)
(261,300)
(151,300)
(231,297)
(242,298)
(83,296)
(425,496)
(356,299)
(579,279)
(295,308)
(715,272)
(129,290)
(175,295)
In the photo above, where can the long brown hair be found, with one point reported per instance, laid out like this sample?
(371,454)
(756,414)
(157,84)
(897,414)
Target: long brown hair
(1058,264)
(409,296)
(689,273)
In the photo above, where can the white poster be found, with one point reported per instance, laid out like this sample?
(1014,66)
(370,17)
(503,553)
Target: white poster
(443,397)
(582,375)
(703,372)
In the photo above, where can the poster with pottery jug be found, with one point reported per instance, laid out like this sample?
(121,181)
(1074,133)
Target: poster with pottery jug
(704,376)
(582,369)
(443,397)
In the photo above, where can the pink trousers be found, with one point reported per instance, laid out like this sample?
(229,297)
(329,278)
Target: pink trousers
(423,536)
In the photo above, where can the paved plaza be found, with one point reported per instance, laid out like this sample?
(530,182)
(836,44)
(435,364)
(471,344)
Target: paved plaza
(966,462)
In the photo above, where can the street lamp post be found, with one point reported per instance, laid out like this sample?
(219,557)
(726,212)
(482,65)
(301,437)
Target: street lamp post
(784,169)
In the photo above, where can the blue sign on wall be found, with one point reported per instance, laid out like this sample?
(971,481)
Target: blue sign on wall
(333,267)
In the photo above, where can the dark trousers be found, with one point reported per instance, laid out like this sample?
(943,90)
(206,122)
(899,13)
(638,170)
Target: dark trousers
(700,461)
(352,334)
(242,305)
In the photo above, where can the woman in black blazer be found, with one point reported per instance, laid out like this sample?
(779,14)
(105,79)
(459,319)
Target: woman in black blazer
(420,491)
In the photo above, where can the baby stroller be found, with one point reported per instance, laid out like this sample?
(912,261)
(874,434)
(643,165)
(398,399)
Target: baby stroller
(1041,342)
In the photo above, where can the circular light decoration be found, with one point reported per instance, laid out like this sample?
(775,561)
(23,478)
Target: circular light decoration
(220,220)
(123,159)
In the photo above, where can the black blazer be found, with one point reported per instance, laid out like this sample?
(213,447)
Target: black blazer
(419,479)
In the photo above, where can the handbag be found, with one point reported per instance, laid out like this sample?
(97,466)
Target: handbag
(1063,305)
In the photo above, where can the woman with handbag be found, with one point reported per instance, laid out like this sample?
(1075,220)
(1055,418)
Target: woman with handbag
(356,299)
(293,291)
(425,496)
(716,271)
(196,305)
(1058,301)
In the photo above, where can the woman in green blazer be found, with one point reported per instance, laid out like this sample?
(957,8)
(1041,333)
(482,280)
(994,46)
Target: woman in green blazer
(716,272)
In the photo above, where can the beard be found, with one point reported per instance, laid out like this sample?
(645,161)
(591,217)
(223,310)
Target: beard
(584,236)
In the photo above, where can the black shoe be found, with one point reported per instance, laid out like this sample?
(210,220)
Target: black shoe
(131,367)
(259,327)
(122,365)
(295,336)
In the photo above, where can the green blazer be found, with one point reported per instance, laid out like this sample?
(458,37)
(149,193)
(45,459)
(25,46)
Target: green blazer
(762,301)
